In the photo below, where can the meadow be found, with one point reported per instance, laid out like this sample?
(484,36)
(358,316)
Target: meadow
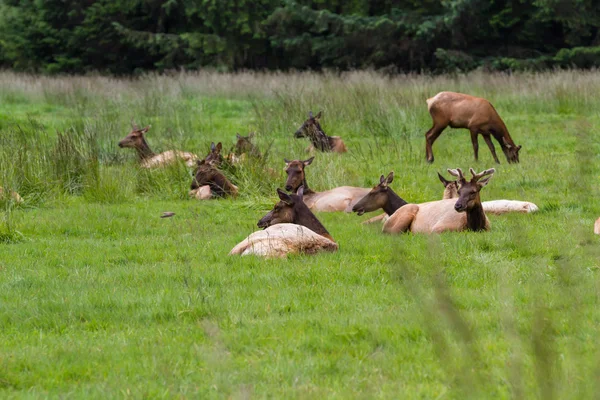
(101,298)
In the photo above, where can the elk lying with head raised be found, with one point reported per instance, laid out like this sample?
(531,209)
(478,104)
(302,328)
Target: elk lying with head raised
(290,227)
(459,110)
(214,156)
(464,213)
(311,128)
(243,148)
(338,199)
(496,207)
(209,181)
(148,159)
(10,195)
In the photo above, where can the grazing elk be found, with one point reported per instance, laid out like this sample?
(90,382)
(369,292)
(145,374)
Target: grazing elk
(209,181)
(148,159)
(311,128)
(290,227)
(459,110)
(496,207)
(8,195)
(338,199)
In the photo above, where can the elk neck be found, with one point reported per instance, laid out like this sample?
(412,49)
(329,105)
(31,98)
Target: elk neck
(143,150)
(307,190)
(393,202)
(319,138)
(303,216)
(476,220)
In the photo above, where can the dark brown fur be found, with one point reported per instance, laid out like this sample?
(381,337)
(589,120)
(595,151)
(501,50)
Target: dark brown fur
(291,209)
(311,128)
(381,196)
(244,145)
(469,200)
(207,174)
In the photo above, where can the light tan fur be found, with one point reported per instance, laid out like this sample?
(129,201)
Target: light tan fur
(597,227)
(202,193)
(432,217)
(170,157)
(13,195)
(342,198)
(282,239)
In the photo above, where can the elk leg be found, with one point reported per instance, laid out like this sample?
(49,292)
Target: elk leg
(430,137)
(488,140)
(378,218)
(475,144)
(401,220)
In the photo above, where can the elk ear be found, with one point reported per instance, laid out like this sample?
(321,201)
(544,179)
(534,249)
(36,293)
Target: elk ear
(310,116)
(443,180)
(146,129)
(286,161)
(300,192)
(309,161)
(381,179)
(286,198)
(519,147)
(390,178)
(212,146)
(201,162)
(219,147)
(238,136)
(319,115)
(484,181)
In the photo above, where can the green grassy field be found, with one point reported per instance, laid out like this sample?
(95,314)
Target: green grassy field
(100,298)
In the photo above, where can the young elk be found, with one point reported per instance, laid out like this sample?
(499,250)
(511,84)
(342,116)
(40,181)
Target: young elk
(459,110)
(148,159)
(290,227)
(464,213)
(338,199)
(311,128)
(496,207)
(214,157)
(209,181)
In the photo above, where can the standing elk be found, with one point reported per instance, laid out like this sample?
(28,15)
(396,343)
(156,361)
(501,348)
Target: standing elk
(459,110)
(290,227)
(464,213)
(311,128)
(496,207)
(338,199)
(148,159)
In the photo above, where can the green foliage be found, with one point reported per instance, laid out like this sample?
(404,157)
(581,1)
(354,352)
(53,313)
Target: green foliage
(138,35)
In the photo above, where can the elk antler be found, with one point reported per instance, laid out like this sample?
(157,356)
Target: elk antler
(480,175)
(134,125)
(458,173)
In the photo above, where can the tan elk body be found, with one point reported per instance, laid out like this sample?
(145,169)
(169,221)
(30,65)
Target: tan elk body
(597,227)
(476,114)
(10,195)
(148,159)
(341,198)
(289,228)
(496,207)
(311,128)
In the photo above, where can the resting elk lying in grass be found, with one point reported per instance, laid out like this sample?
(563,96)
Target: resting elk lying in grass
(459,110)
(214,157)
(243,149)
(496,207)
(10,195)
(338,199)
(311,128)
(290,227)
(148,159)
(209,181)
(464,213)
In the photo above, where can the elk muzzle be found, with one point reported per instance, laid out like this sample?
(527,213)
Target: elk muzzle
(265,221)
(460,206)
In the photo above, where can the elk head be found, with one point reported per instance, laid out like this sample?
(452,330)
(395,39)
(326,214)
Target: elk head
(451,188)
(310,124)
(511,151)
(468,192)
(284,211)
(295,172)
(214,157)
(243,144)
(377,198)
(135,138)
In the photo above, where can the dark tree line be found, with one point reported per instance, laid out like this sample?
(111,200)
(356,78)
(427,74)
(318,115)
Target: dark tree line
(128,36)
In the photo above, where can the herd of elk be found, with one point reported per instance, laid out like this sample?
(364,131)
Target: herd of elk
(311,128)
(459,110)
(338,199)
(148,159)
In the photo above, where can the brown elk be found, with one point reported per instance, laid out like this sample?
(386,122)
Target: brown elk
(496,207)
(10,195)
(206,175)
(214,156)
(338,199)
(311,128)
(148,159)
(290,227)
(459,110)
